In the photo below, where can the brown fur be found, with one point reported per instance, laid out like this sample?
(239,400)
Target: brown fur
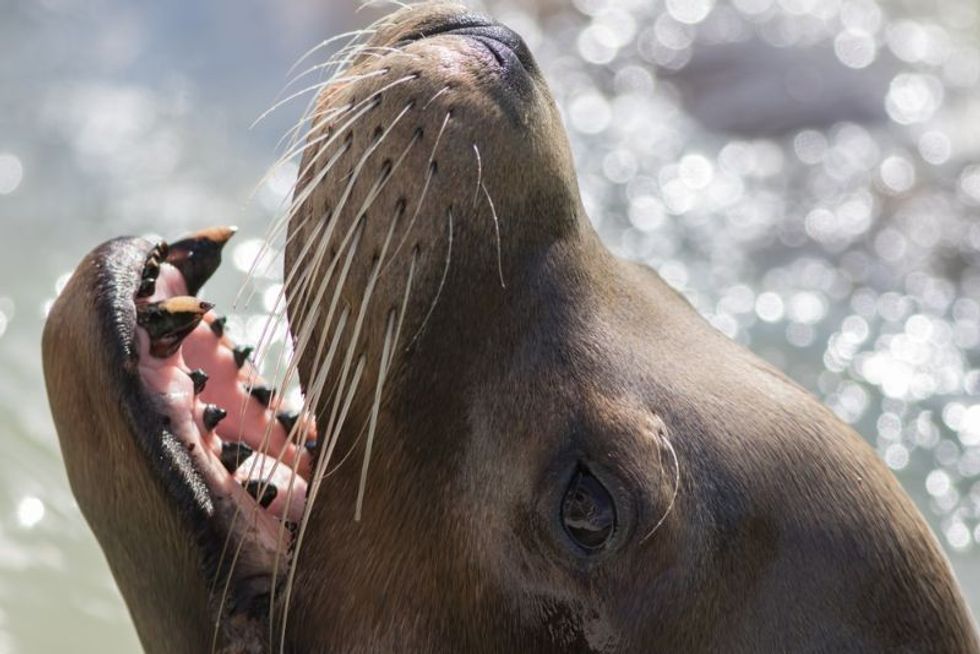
(90,374)
(786,532)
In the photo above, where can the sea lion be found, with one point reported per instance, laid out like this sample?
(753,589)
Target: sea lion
(513,441)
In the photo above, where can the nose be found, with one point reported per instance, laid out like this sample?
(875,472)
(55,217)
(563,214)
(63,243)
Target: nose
(506,46)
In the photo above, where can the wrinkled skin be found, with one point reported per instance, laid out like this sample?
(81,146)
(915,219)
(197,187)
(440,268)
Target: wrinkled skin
(747,517)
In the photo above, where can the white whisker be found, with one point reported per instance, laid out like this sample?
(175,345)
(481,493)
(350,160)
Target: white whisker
(673,497)
(496,226)
(442,282)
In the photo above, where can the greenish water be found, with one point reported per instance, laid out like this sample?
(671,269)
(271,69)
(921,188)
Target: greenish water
(806,241)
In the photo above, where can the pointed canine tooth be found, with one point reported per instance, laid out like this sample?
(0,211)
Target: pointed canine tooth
(199,255)
(218,326)
(160,251)
(242,352)
(151,270)
(287,419)
(261,393)
(147,288)
(254,487)
(200,379)
(233,454)
(169,321)
(212,416)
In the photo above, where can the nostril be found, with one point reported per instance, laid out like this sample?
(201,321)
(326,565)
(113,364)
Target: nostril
(504,43)
(447,23)
(494,32)
(466,24)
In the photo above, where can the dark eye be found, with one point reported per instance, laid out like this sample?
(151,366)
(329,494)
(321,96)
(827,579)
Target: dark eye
(587,512)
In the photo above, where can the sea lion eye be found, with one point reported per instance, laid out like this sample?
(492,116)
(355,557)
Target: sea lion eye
(587,512)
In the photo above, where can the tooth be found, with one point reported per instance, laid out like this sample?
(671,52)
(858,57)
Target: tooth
(169,321)
(159,252)
(151,270)
(242,352)
(199,255)
(200,378)
(233,454)
(212,416)
(254,487)
(218,326)
(147,287)
(287,419)
(261,393)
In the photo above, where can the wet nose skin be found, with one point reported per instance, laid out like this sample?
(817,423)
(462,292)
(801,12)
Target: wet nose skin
(507,47)
(501,50)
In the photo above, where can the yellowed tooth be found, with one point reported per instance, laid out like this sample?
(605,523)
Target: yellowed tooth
(199,255)
(169,321)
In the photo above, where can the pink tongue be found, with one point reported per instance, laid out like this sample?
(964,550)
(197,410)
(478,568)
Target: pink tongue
(247,420)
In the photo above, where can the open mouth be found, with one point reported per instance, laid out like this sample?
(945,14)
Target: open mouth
(220,448)
(253,454)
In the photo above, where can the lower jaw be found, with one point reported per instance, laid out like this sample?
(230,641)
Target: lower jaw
(254,455)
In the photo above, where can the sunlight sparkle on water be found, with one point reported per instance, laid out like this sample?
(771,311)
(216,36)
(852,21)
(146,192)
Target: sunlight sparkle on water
(30,511)
(11,173)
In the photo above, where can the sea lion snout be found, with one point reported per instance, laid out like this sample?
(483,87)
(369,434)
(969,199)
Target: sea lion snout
(443,177)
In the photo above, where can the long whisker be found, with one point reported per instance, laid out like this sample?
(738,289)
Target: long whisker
(313,87)
(303,196)
(305,521)
(281,223)
(356,34)
(673,497)
(430,171)
(442,282)
(496,226)
(479,174)
(335,426)
(324,241)
(375,410)
(375,191)
(382,370)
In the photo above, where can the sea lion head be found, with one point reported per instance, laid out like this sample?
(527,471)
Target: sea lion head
(556,452)
(514,440)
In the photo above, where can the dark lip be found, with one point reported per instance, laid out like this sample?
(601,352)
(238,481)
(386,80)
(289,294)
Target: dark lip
(506,46)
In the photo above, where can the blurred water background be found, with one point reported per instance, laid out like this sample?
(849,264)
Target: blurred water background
(807,172)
